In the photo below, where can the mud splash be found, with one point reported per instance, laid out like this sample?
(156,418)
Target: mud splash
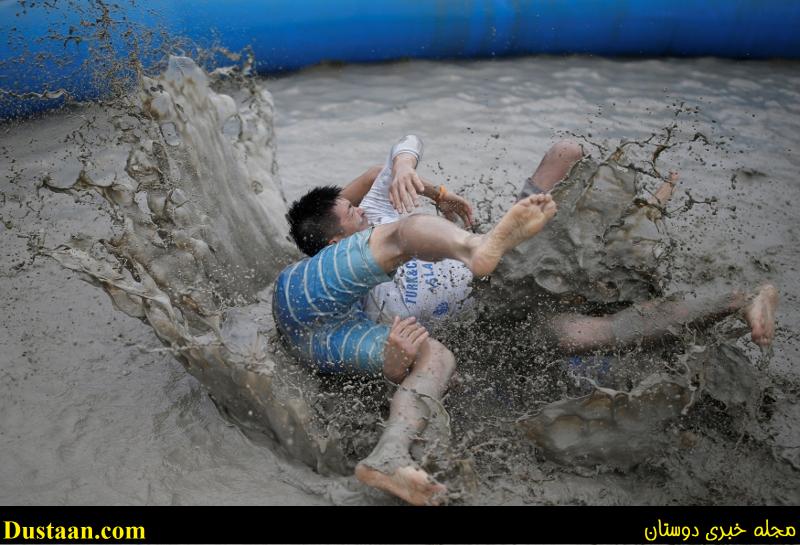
(621,429)
(604,245)
(203,234)
(182,261)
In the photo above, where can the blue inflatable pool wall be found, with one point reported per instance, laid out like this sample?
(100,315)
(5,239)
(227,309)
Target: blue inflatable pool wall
(290,34)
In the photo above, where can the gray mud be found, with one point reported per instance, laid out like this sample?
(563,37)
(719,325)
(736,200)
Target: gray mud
(99,412)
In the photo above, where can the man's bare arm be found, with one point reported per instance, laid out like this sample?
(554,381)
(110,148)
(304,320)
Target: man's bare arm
(406,183)
(448,203)
(403,190)
(358,188)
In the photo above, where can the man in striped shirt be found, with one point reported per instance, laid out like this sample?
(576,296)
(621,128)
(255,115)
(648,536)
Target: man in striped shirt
(319,302)
(318,307)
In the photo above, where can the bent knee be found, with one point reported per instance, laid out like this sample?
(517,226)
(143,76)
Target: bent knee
(566,150)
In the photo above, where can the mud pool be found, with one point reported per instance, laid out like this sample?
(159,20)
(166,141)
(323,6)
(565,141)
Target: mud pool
(96,411)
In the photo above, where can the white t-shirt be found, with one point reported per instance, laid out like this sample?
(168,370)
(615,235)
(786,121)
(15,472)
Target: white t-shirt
(430,291)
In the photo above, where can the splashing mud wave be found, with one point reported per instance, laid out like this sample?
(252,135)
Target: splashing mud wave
(200,236)
(199,215)
(204,229)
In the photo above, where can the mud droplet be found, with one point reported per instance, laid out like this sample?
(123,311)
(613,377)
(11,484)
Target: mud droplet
(170,134)
(232,127)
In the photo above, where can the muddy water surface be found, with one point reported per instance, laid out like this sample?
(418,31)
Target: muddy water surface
(94,411)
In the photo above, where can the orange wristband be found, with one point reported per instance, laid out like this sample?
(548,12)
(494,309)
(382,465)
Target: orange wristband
(441,194)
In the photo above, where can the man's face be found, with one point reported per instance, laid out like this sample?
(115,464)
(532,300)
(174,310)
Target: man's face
(351,219)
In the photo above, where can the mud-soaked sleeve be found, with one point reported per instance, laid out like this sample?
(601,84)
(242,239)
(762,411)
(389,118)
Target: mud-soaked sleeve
(410,143)
(376,204)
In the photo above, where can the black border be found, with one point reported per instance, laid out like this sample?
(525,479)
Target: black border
(550,524)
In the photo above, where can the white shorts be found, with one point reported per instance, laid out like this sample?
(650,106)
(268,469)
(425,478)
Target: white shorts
(433,292)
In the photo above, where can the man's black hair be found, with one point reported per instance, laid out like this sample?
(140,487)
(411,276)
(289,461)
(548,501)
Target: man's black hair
(311,219)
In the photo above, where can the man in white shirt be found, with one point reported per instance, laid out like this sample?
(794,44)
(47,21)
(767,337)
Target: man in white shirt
(330,218)
(433,292)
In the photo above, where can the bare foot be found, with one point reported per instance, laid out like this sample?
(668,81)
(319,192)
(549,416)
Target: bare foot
(760,315)
(408,483)
(525,219)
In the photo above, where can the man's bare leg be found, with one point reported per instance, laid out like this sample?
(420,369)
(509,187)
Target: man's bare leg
(654,320)
(389,467)
(554,167)
(432,239)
